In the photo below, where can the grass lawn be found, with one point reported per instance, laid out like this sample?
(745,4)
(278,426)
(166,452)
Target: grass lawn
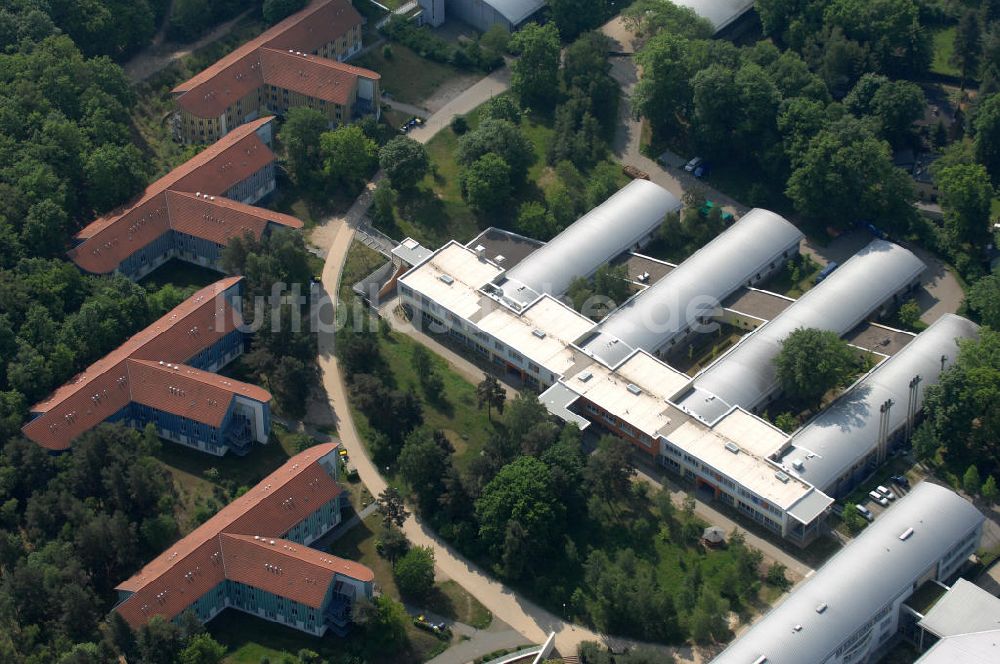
(406,76)
(452,601)
(195,489)
(181,274)
(361,261)
(456,413)
(437,213)
(944,50)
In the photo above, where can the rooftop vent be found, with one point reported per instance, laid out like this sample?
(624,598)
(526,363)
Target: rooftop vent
(538,333)
(733,447)
(797,464)
(782,477)
(797,628)
(585,376)
(500,258)
(821,607)
(480,250)
(761,660)
(634,389)
(905,535)
(446,279)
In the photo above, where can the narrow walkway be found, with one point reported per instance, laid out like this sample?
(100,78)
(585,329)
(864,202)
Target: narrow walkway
(481,644)
(156,57)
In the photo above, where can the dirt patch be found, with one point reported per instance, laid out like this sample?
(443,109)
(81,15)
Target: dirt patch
(448,91)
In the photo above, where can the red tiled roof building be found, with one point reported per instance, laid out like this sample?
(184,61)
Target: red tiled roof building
(190,213)
(298,62)
(163,375)
(254,556)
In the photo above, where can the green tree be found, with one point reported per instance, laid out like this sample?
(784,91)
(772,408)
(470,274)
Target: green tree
(970,480)
(387,624)
(897,105)
(847,174)
(610,469)
(812,361)
(522,491)
(651,17)
(535,74)
(984,300)
(966,196)
(534,221)
(404,161)
(348,155)
(499,137)
(787,422)
(776,576)
(502,107)
(909,314)
(202,649)
(275,10)
(423,462)
(392,508)
(855,522)
(383,206)
(573,17)
(987,142)
(967,46)
(414,572)
(486,183)
(113,175)
(490,393)
(989,490)
(300,136)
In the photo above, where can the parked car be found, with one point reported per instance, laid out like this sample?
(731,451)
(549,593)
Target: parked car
(439,629)
(885,492)
(693,164)
(702,170)
(878,498)
(825,272)
(864,511)
(901,481)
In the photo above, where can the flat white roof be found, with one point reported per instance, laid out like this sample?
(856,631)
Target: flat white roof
(411,251)
(635,396)
(452,277)
(745,466)
(542,333)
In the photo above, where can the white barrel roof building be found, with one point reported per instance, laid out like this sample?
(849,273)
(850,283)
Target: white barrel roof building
(746,253)
(746,375)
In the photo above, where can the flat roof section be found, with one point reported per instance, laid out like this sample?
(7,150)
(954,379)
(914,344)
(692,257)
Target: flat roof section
(976,648)
(411,252)
(557,400)
(542,332)
(879,338)
(641,405)
(451,278)
(866,574)
(753,471)
(757,303)
(639,265)
(512,247)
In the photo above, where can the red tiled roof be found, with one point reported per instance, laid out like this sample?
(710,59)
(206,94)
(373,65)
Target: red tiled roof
(186,571)
(310,75)
(182,390)
(231,78)
(102,389)
(230,160)
(187,200)
(218,219)
(285,568)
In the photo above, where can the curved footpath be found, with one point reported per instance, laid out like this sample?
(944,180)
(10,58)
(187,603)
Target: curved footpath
(335,237)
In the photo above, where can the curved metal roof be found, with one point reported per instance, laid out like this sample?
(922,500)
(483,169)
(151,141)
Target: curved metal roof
(746,374)
(868,573)
(628,216)
(720,12)
(848,429)
(695,287)
(516,11)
